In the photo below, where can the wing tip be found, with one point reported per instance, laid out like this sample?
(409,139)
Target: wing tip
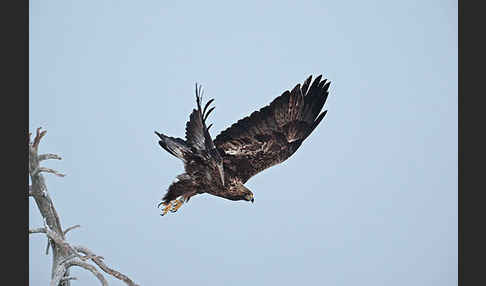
(158,134)
(320,81)
(317,122)
(326,86)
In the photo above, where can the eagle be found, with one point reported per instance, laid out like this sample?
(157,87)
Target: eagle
(265,138)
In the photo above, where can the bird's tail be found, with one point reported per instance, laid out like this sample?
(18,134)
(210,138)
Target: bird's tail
(175,146)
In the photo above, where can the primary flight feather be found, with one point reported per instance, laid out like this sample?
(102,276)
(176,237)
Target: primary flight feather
(263,139)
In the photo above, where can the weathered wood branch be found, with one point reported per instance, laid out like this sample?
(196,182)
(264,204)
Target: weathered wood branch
(43,157)
(64,255)
(59,277)
(68,278)
(47,170)
(71,228)
(37,230)
(98,260)
(39,192)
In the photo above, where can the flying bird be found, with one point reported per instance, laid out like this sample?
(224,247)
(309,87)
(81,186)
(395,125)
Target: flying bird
(267,137)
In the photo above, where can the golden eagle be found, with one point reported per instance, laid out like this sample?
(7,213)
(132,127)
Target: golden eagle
(267,137)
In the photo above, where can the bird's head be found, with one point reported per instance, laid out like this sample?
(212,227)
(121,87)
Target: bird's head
(243,193)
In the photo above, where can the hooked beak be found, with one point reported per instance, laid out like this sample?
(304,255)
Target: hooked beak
(221,173)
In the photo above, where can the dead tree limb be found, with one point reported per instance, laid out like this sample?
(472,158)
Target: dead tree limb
(64,255)
(59,277)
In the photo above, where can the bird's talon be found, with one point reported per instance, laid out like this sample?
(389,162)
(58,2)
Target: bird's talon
(176,205)
(171,206)
(166,208)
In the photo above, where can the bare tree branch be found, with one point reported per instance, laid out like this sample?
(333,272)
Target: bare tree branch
(98,260)
(64,267)
(37,138)
(64,255)
(48,246)
(48,156)
(37,230)
(61,242)
(38,191)
(48,170)
(71,228)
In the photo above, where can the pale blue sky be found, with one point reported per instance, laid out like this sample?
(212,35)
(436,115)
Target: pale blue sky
(369,199)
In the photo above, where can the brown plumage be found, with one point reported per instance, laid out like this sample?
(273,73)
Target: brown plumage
(265,138)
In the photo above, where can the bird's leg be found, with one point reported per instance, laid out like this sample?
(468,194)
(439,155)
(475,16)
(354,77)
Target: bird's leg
(186,197)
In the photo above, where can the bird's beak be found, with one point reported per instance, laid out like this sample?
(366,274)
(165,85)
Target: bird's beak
(221,173)
(252,200)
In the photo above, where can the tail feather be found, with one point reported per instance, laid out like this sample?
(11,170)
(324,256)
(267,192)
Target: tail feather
(175,146)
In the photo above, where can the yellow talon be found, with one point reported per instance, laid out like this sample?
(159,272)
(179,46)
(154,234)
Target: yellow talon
(166,208)
(176,205)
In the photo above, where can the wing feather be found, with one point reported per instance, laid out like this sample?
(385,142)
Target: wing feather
(271,135)
(197,134)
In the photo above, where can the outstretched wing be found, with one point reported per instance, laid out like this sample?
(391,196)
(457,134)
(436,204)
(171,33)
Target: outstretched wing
(271,135)
(197,134)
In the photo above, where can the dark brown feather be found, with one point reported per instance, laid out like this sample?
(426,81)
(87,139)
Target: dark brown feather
(183,186)
(272,134)
(197,134)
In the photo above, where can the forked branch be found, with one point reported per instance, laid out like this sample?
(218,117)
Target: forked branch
(64,254)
